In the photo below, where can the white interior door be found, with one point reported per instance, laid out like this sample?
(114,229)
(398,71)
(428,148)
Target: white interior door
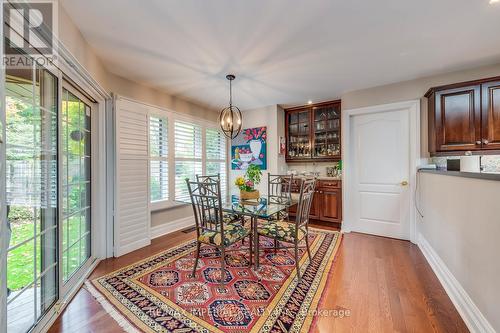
(380,162)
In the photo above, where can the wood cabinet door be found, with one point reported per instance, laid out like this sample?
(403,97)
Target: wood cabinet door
(458,119)
(491,115)
(315,206)
(331,205)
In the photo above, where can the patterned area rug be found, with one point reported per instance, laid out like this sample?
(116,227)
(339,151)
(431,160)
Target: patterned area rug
(159,295)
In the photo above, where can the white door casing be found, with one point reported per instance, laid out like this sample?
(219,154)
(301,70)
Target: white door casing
(381,149)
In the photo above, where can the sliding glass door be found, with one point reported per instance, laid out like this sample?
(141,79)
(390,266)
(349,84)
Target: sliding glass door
(31,194)
(48,191)
(75,176)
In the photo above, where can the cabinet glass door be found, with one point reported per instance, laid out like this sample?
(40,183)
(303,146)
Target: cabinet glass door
(299,124)
(326,131)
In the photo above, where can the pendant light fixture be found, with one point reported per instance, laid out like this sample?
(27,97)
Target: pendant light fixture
(230,117)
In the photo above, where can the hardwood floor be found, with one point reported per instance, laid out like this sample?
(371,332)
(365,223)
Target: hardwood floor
(377,285)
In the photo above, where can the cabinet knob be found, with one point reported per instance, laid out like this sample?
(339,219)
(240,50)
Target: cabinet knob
(478,142)
(485,141)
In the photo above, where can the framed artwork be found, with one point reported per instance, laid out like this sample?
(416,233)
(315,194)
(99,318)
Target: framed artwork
(282,145)
(249,147)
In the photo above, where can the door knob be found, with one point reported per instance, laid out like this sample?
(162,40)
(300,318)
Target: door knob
(404,183)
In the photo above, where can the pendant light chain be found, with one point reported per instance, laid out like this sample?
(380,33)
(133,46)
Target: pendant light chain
(230,93)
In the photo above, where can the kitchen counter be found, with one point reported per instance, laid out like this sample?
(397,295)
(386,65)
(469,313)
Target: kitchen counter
(477,175)
(318,177)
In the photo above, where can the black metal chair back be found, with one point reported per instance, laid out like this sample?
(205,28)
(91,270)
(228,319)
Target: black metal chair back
(207,205)
(208,178)
(279,188)
(304,205)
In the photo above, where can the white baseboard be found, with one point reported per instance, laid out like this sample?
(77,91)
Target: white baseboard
(169,227)
(131,247)
(469,312)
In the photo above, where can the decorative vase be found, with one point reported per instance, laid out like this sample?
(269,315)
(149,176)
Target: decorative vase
(246,195)
(255,147)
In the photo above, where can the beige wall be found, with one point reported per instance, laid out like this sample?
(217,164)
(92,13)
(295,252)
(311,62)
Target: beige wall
(273,118)
(77,45)
(462,224)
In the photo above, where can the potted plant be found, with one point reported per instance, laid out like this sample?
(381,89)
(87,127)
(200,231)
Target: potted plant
(247,183)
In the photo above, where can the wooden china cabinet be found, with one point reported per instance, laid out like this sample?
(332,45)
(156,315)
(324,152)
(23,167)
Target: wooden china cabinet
(313,135)
(313,132)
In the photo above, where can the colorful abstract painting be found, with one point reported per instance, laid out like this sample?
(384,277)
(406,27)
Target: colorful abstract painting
(249,147)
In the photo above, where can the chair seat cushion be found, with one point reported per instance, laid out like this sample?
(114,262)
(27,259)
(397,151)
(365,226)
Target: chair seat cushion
(281,230)
(229,218)
(232,233)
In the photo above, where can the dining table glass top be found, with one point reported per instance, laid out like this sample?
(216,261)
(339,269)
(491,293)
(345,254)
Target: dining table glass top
(261,207)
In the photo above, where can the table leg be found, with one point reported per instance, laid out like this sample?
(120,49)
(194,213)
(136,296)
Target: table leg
(255,242)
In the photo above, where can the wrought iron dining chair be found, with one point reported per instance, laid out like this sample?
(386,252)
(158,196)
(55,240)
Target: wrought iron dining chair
(292,231)
(279,191)
(228,217)
(208,178)
(211,228)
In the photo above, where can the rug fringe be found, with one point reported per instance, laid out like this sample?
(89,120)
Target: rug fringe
(118,317)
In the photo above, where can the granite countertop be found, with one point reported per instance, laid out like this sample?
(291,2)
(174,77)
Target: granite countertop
(477,175)
(318,177)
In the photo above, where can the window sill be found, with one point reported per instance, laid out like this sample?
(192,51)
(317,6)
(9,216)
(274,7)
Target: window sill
(159,206)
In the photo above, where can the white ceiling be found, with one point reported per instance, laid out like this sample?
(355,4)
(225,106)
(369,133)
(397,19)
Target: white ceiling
(284,51)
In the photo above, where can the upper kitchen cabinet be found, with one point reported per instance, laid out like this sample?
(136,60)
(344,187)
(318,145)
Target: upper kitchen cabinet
(313,132)
(464,117)
(491,115)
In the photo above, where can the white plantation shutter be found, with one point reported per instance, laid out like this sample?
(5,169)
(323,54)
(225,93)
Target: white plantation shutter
(188,156)
(216,152)
(132,216)
(158,150)
(187,140)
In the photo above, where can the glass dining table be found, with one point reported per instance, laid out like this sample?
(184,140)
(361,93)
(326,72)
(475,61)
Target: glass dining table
(260,208)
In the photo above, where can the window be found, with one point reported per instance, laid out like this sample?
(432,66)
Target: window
(188,156)
(158,153)
(196,149)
